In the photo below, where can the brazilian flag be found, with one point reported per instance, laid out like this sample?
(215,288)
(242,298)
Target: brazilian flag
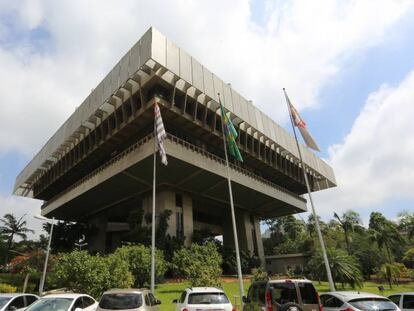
(231,135)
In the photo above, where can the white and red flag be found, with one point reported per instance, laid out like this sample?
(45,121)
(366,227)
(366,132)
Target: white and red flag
(160,133)
(301,125)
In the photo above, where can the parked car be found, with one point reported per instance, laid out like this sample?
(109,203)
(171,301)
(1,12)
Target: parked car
(355,301)
(128,299)
(282,295)
(64,302)
(203,298)
(405,301)
(16,301)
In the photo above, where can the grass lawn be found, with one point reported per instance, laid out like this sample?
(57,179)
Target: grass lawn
(168,291)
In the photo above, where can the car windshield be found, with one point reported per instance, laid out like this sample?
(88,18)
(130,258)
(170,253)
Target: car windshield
(4,300)
(51,304)
(120,301)
(207,298)
(373,304)
(308,293)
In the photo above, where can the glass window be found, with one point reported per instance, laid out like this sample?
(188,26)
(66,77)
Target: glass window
(395,299)
(51,304)
(207,298)
(4,301)
(408,302)
(120,301)
(30,299)
(261,293)
(255,293)
(308,293)
(284,292)
(78,304)
(152,299)
(87,301)
(17,303)
(182,298)
(147,301)
(330,301)
(373,304)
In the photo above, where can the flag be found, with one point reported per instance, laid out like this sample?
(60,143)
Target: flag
(301,125)
(160,133)
(231,135)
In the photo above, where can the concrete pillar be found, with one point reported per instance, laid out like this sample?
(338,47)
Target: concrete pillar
(97,241)
(188,219)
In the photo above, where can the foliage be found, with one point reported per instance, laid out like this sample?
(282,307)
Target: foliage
(31,262)
(344,268)
(6,288)
(259,274)
(406,223)
(200,264)
(81,272)
(409,256)
(390,272)
(349,221)
(138,258)
(230,263)
(367,253)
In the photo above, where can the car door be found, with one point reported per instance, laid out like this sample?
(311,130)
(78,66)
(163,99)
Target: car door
(408,302)
(331,303)
(396,299)
(88,303)
(16,304)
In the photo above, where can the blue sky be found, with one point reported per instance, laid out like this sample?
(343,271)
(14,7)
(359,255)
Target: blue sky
(362,58)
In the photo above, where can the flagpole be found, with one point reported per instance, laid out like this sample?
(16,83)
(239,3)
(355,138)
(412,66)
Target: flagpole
(153,214)
(318,228)
(233,217)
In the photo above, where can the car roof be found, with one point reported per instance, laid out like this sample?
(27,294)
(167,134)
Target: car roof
(64,295)
(204,289)
(290,280)
(402,293)
(126,290)
(15,294)
(349,295)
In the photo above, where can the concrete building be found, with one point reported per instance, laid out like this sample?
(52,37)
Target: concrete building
(98,166)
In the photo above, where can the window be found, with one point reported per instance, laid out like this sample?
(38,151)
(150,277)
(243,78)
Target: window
(87,301)
(120,301)
(182,298)
(330,301)
(17,303)
(284,292)
(255,293)
(152,299)
(30,299)
(262,293)
(308,293)
(408,302)
(178,200)
(78,304)
(147,301)
(4,300)
(395,299)
(372,304)
(207,298)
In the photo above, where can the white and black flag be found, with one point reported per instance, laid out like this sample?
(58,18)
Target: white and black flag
(160,133)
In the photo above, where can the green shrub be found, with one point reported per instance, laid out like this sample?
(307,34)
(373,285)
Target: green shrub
(6,288)
(259,274)
(81,272)
(200,264)
(139,260)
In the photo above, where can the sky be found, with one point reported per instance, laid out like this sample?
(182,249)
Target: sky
(348,67)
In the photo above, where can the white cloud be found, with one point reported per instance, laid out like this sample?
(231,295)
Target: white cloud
(375,162)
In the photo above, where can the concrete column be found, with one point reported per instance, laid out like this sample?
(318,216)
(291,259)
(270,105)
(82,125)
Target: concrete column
(188,219)
(97,241)
(259,241)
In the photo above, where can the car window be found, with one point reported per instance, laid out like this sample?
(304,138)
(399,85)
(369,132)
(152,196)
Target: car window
(373,304)
(395,299)
(78,304)
(51,304)
(330,301)
(261,291)
(182,297)
(408,302)
(147,301)
(4,301)
(255,293)
(152,299)
(119,301)
(308,293)
(207,298)
(284,292)
(30,299)
(17,303)
(87,301)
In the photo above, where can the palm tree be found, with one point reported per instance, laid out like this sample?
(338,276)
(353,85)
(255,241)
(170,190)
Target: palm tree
(12,227)
(407,224)
(349,221)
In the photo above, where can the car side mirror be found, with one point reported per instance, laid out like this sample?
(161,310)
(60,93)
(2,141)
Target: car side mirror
(246,299)
(157,302)
(175,301)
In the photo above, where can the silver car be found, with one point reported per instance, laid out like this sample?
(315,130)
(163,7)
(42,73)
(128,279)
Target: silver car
(128,299)
(14,302)
(356,301)
(405,301)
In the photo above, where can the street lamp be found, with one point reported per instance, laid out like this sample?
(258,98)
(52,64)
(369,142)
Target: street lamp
(52,222)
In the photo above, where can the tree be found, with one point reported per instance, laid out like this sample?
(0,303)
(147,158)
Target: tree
(348,222)
(406,223)
(384,233)
(200,264)
(344,268)
(390,272)
(13,227)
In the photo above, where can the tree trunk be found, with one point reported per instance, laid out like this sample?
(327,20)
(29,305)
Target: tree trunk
(26,280)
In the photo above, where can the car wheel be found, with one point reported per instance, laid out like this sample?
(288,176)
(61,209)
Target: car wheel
(291,306)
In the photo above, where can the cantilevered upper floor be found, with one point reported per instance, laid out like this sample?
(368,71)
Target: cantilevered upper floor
(119,112)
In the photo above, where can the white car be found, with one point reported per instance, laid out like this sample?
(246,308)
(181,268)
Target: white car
(203,299)
(13,302)
(405,301)
(356,301)
(64,302)
(131,299)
